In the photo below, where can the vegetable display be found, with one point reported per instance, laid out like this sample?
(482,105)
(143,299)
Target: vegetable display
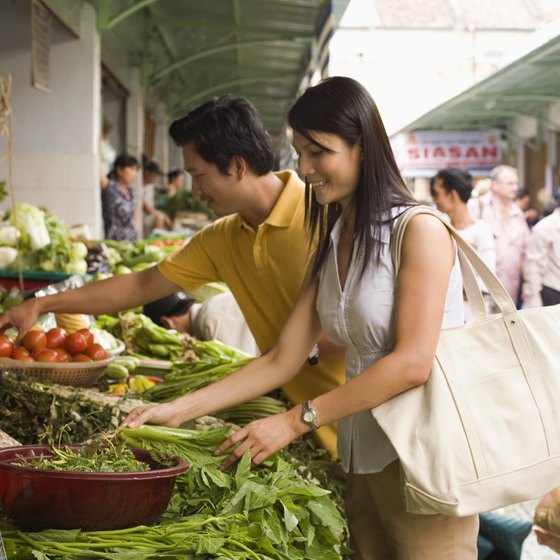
(142,336)
(44,242)
(268,513)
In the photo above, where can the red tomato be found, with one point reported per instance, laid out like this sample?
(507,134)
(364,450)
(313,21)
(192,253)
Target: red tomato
(6,346)
(96,352)
(34,339)
(20,353)
(56,337)
(36,351)
(81,358)
(88,336)
(63,356)
(75,343)
(46,355)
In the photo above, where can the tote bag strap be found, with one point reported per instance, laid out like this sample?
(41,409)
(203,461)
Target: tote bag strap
(469,260)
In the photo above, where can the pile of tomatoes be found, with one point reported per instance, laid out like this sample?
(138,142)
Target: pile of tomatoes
(55,345)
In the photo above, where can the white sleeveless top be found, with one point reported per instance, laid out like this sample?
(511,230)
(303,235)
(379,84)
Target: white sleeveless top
(359,319)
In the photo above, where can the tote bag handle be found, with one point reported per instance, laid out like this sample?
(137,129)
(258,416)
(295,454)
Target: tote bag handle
(469,260)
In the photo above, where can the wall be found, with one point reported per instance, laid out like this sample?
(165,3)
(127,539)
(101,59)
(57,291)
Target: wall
(56,135)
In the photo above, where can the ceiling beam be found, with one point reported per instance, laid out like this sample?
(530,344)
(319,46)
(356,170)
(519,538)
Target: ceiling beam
(104,24)
(223,86)
(221,48)
(301,29)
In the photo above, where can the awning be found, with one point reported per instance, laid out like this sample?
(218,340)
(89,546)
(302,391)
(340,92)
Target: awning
(191,50)
(523,90)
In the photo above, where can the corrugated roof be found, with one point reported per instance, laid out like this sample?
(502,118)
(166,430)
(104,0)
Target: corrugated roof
(191,50)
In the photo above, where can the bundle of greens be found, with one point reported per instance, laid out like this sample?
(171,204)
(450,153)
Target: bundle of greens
(215,361)
(142,336)
(187,377)
(102,456)
(184,200)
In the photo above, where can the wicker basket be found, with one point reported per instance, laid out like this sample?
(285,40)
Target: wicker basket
(77,374)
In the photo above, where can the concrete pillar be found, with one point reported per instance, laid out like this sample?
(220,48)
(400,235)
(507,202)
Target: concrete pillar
(161,148)
(135,130)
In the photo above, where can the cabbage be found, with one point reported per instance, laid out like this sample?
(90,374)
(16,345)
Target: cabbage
(30,221)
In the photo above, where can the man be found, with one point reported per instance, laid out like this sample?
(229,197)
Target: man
(175,181)
(217,318)
(542,264)
(260,248)
(451,189)
(153,218)
(507,222)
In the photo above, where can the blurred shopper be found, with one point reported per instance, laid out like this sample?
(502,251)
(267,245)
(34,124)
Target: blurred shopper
(217,318)
(451,189)
(507,222)
(153,218)
(175,182)
(542,263)
(523,200)
(118,200)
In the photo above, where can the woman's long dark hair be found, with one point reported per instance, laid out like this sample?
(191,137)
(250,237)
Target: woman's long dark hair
(342,106)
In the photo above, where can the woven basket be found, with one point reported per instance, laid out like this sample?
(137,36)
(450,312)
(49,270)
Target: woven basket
(77,374)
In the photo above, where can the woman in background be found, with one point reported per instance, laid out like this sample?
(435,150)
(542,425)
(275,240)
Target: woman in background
(118,200)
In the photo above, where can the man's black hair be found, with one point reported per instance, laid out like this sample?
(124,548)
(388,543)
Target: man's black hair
(225,127)
(454,179)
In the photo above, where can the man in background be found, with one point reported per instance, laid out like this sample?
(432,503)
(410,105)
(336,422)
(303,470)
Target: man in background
(542,264)
(153,218)
(507,222)
(217,318)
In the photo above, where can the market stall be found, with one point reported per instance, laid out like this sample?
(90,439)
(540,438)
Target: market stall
(287,507)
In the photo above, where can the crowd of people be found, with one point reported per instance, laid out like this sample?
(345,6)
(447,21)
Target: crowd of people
(515,240)
(124,218)
(308,262)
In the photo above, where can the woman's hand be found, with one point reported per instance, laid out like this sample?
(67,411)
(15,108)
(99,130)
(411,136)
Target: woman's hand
(164,414)
(263,437)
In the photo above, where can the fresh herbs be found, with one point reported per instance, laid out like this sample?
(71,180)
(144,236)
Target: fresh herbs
(101,456)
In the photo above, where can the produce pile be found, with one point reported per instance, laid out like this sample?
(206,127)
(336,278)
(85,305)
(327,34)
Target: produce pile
(45,243)
(268,513)
(54,346)
(110,257)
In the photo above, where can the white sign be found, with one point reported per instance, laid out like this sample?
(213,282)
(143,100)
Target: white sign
(435,149)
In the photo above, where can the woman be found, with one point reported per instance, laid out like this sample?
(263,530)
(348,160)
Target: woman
(389,329)
(118,200)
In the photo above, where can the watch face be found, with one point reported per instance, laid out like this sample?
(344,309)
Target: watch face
(308,417)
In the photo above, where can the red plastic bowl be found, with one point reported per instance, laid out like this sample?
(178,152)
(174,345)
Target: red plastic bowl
(37,499)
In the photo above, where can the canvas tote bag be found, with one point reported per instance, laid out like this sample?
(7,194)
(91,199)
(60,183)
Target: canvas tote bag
(484,430)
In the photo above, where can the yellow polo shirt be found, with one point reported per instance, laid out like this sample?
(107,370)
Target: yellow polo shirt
(264,269)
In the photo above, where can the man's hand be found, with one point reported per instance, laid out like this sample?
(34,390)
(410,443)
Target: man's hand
(22,317)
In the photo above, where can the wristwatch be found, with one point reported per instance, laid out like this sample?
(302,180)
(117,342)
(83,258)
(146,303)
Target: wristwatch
(308,415)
